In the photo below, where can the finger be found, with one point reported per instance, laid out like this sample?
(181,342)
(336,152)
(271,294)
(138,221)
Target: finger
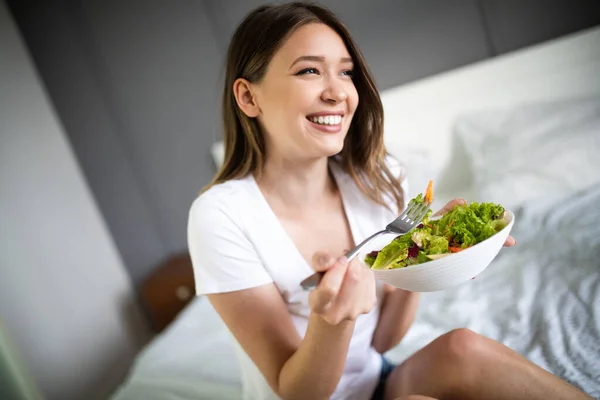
(351,292)
(510,241)
(329,286)
(322,261)
(450,205)
(370,290)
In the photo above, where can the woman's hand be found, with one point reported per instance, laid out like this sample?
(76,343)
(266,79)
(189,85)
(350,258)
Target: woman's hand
(346,290)
(510,241)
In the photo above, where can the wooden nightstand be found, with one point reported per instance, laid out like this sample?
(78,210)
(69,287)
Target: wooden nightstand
(168,290)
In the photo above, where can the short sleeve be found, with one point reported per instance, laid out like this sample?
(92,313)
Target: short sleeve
(223,257)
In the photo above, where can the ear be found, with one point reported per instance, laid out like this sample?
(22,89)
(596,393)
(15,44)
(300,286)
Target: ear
(246,100)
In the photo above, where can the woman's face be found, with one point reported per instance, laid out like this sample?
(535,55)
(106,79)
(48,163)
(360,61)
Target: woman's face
(307,98)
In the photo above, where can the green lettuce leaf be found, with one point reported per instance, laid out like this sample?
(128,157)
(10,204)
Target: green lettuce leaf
(429,243)
(369,260)
(437,245)
(467,225)
(394,253)
(488,211)
(464,225)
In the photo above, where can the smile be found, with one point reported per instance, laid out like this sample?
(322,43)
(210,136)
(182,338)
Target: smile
(326,119)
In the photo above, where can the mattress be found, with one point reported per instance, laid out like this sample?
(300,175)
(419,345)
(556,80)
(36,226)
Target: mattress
(193,358)
(541,298)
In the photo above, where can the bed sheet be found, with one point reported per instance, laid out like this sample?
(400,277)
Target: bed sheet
(193,358)
(541,298)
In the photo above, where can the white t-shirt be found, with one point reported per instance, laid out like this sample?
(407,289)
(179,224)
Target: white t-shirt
(236,242)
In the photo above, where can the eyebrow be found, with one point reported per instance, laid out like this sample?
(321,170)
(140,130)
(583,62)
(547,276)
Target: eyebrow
(318,59)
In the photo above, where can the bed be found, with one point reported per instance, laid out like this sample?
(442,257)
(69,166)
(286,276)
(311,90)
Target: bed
(522,129)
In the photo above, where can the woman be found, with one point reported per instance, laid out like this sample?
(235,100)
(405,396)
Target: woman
(305,177)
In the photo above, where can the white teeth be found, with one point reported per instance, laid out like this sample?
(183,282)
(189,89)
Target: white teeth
(327,120)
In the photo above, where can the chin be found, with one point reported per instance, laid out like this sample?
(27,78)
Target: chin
(330,149)
(326,145)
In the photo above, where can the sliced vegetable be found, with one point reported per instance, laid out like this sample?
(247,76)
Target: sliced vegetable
(429,193)
(462,227)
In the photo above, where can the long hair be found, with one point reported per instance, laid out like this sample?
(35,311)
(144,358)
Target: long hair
(252,47)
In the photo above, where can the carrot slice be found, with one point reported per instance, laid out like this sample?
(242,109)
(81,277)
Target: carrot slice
(457,248)
(429,193)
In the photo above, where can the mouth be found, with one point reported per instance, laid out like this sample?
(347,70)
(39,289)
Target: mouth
(326,119)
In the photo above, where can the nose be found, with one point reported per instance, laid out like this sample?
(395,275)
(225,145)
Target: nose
(334,93)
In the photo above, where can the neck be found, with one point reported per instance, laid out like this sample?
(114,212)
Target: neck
(297,184)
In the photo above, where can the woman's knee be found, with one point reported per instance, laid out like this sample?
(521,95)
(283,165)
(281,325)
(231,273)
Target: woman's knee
(461,346)
(448,365)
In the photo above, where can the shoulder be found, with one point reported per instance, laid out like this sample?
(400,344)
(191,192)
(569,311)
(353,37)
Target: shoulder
(219,239)
(222,212)
(222,201)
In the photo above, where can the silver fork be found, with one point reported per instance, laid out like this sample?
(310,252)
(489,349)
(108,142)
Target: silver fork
(409,219)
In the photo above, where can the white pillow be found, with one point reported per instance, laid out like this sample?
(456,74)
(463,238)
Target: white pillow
(417,163)
(536,150)
(218,153)
(417,166)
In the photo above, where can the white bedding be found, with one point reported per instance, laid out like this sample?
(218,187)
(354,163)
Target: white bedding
(541,298)
(192,359)
(543,149)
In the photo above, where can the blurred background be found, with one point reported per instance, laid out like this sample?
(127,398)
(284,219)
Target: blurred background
(108,113)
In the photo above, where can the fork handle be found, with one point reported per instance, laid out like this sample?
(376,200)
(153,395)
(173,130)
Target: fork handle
(313,280)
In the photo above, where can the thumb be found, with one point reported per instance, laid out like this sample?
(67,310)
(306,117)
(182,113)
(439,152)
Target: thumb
(450,206)
(322,261)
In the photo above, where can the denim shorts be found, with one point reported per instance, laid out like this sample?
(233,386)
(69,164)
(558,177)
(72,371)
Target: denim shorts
(386,369)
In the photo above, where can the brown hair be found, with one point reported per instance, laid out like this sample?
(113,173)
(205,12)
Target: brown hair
(252,47)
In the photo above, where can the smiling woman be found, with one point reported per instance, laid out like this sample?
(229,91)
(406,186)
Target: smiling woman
(301,66)
(305,177)
(305,95)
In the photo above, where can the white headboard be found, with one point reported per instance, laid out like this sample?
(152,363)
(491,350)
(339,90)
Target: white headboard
(419,116)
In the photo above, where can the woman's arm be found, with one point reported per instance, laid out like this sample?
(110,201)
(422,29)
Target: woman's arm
(296,368)
(397,313)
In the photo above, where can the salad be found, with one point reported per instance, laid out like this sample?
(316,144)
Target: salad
(464,226)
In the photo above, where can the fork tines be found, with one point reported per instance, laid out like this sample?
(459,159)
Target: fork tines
(417,213)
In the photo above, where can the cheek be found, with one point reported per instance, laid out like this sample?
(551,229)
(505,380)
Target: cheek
(286,101)
(301,98)
(273,109)
(352,99)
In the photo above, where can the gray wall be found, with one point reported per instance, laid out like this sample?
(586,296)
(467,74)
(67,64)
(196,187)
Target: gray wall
(65,297)
(136,84)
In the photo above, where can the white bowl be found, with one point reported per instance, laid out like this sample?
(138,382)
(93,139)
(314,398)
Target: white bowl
(445,272)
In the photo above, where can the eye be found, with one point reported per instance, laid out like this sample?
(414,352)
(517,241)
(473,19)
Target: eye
(307,71)
(348,72)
